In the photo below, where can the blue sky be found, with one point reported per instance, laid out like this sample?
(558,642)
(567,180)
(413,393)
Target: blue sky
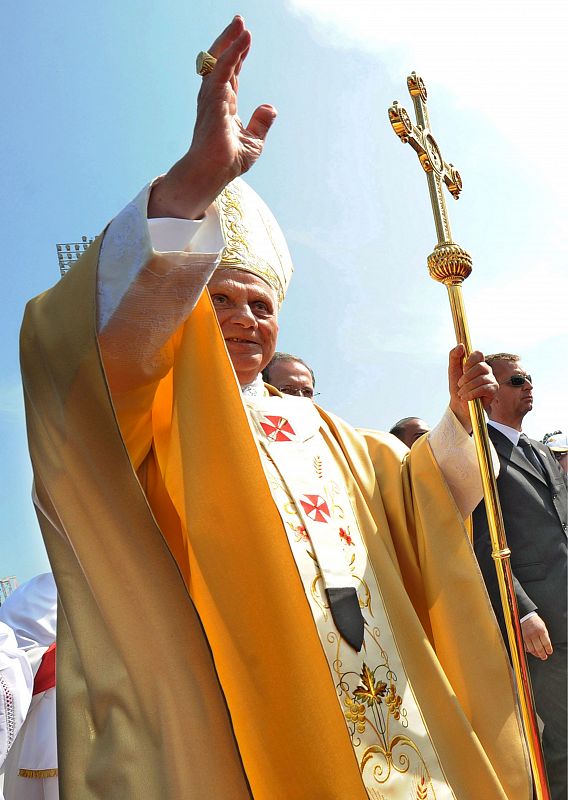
(99,98)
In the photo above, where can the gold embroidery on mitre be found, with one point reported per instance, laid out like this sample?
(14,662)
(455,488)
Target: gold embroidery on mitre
(253,239)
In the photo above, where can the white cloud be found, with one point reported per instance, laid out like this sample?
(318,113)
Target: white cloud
(507,59)
(528,306)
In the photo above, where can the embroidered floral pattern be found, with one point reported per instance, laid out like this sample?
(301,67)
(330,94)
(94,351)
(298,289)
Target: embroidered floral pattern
(345,536)
(370,691)
(301,534)
(373,705)
(421,788)
(355,713)
(393,701)
(389,737)
(318,467)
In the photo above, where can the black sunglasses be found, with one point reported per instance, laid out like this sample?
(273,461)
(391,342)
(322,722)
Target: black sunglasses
(517,380)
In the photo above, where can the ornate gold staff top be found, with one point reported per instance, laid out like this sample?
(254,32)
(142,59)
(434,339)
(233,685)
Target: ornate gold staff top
(450,264)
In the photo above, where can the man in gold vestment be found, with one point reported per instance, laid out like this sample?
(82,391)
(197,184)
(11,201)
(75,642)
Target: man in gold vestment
(256,600)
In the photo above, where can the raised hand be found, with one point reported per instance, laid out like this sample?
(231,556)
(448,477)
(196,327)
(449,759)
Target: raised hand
(222,148)
(468,380)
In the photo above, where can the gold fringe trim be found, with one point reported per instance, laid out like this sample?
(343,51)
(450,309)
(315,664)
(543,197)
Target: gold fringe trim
(38,773)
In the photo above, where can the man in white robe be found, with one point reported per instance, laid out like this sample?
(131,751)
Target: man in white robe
(30,771)
(16,684)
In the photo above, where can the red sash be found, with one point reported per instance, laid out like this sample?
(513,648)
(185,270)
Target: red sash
(45,676)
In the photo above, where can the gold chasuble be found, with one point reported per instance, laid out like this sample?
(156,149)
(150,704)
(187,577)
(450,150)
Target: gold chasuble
(197,656)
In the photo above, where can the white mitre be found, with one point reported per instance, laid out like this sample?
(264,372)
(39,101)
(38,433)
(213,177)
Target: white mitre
(254,241)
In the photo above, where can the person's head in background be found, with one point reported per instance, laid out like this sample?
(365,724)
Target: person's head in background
(409,429)
(290,375)
(558,443)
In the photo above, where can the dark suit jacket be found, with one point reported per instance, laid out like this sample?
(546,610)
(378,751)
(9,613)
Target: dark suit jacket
(535,515)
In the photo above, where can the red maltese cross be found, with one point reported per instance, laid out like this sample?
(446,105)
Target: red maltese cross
(277,429)
(315,507)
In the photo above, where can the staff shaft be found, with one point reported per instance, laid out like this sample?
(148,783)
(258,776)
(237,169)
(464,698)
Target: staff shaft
(502,557)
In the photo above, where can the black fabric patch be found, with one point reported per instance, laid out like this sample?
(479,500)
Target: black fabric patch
(346,613)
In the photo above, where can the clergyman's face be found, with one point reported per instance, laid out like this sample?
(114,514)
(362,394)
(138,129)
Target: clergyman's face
(511,402)
(292,377)
(247,310)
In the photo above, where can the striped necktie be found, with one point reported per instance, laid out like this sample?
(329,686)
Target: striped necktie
(529,453)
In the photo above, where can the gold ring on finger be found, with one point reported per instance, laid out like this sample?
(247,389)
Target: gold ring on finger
(205,63)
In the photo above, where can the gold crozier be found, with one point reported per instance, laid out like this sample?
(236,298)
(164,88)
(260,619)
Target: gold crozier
(450,264)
